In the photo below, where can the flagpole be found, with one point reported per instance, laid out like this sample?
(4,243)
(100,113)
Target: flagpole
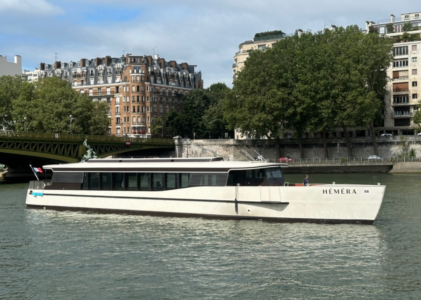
(35,173)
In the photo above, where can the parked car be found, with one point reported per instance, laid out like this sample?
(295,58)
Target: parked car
(419,133)
(374,157)
(285,159)
(386,134)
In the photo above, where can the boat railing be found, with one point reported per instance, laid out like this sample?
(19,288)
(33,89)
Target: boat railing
(38,184)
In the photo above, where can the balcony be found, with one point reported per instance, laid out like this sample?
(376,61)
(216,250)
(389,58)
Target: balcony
(401,114)
(400,78)
(400,103)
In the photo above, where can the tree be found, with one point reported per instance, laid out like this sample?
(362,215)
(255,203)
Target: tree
(51,105)
(157,126)
(255,105)
(213,118)
(317,82)
(10,89)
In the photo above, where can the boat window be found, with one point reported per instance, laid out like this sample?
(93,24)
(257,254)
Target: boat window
(131,181)
(118,183)
(205,179)
(158,181)
(171,181)
(263,177)
(144,181)
(93,181)
(184,180)
(105,181)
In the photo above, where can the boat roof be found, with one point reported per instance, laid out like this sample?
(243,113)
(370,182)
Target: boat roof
(161,165)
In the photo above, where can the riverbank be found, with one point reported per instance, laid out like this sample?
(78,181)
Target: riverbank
(406,167)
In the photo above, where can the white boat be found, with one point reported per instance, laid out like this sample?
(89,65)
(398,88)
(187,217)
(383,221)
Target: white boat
(201,187)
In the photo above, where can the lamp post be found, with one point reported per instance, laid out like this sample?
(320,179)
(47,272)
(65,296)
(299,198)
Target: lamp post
(24,124)
(188,143)
(71,119)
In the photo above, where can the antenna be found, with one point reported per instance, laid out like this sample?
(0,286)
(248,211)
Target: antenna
(124,52)
(55,57)
(153,50)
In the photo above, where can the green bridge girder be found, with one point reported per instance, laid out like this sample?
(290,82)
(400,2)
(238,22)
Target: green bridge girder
(70,148)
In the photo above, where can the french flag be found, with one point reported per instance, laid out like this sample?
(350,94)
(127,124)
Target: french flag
(37,170)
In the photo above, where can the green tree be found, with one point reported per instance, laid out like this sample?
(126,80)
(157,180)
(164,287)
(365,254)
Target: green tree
(213,118)
(51,105)
(10,89)
(157,126)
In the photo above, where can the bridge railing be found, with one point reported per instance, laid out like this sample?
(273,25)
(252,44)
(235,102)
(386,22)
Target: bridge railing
(82,137)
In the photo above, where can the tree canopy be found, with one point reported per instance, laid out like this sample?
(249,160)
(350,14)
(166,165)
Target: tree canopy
(51,105)
(200,115)
(313,82)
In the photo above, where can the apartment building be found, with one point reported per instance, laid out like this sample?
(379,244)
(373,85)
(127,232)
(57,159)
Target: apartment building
(137,88)
(404,72)
(260,41)
(10,68)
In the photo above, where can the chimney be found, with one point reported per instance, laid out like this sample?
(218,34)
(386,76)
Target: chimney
(392,18)
(184,66)
(57,65)
(162,63)
(82,62)
(299,32)
(97,61)
(333,27)
(42,66)
(173,63)
(107,60)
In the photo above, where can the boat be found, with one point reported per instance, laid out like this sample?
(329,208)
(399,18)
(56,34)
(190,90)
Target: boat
(201,187)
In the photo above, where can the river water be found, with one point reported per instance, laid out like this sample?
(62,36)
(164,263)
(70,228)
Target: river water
(77,255)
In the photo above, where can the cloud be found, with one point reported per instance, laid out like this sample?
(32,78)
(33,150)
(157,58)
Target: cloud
(205,33)
(24,8)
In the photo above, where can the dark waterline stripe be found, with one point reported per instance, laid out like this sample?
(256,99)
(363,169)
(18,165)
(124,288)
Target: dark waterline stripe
(215,217)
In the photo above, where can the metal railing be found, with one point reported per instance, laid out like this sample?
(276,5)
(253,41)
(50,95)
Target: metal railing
(78,137)
(353,160)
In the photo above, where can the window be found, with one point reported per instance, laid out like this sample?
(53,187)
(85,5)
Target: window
(158,181)
(414,59)
(131,181)
(90,92)
(414,96)
(414,47)
(171,181)
(382,30)
(261,47)
(400,63)
(108,91)
(414,83)
(414,72)
(144,182)
(99,91)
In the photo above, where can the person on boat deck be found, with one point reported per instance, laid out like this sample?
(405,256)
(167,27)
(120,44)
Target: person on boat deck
(306,181)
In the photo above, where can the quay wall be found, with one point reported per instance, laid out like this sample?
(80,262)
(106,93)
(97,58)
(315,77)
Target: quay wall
(243,150)
(406,167)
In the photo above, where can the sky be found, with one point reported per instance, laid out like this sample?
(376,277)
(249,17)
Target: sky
(205,33)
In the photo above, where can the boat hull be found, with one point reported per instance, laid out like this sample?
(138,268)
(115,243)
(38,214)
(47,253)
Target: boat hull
(319,203)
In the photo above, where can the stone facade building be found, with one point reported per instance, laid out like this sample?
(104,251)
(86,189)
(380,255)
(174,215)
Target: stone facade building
(137,88)
(404,94)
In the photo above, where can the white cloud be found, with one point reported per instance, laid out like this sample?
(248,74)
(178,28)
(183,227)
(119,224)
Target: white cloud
(29,7)
(205,33)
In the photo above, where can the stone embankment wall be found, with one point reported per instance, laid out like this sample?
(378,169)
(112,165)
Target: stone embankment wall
(231,149)
(406,167)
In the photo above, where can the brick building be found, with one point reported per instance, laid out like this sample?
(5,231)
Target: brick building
(137,88)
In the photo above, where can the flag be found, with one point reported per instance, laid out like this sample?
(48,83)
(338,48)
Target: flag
(37,170)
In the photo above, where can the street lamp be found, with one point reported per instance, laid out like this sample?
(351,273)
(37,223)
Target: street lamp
(71,119)
(188,143)
(24,123)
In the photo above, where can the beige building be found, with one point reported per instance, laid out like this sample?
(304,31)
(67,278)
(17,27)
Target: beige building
(404,72)
(137,88)
(10,68)
(260,41)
